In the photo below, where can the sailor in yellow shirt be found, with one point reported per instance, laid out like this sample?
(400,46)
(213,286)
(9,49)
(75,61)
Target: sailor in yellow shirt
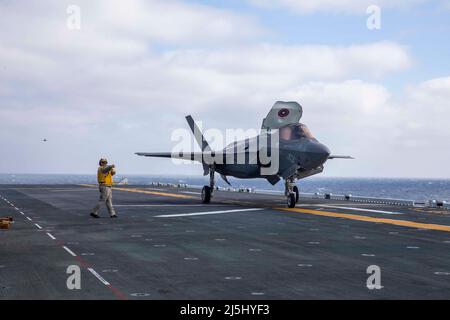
(105,181)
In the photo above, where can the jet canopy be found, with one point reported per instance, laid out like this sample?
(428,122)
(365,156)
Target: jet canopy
(297,131)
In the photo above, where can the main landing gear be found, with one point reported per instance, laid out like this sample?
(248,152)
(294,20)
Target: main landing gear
(207,191)
(291,192)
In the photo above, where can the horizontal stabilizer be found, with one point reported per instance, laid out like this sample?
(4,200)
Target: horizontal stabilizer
(340,157)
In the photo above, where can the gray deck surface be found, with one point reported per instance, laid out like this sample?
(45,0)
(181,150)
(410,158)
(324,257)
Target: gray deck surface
(265,253)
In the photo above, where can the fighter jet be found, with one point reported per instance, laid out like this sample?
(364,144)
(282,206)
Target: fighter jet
(285,149)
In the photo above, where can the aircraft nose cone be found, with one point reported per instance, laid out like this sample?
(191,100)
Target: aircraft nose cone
(323,151)
(319,153)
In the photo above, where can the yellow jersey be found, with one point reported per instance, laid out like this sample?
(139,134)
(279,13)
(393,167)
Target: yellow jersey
(105,178)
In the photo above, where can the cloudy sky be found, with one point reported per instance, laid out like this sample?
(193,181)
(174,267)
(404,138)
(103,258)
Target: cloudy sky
(124,81)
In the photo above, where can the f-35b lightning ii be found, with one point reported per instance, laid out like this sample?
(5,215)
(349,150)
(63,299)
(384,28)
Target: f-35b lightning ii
(284,149)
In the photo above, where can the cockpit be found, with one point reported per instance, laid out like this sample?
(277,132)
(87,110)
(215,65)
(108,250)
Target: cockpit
(295,132)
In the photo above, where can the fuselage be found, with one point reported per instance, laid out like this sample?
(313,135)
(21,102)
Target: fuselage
(303,154)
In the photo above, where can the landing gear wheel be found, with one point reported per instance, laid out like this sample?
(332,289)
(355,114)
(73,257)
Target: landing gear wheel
(295,189)
(206,194)
(291,200)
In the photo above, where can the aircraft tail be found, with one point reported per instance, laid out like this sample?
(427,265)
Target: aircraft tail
(203,144)
(197,156)
(198,135)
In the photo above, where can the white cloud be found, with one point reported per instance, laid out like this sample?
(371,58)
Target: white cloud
(299,62)
(115,88)
(428,106)
(175,22)
(118,28)
(403,134)
(336,6)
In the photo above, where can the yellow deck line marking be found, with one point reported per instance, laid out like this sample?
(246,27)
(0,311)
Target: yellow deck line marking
(404,223)
(164,194)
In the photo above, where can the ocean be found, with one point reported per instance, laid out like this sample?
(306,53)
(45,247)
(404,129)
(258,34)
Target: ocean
(415,189)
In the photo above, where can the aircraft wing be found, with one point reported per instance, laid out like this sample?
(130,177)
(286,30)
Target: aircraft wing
(176,155)
(340,157)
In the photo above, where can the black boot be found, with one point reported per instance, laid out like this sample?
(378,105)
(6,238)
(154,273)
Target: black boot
(94,215)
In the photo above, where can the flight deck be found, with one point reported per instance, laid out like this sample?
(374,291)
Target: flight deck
(166,244)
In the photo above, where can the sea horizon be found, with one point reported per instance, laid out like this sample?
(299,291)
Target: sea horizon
(400,188)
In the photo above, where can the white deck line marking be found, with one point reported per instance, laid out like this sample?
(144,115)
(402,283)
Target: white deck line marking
(99,277)
(69,251)
(71,190)
(190,192)
(206,213)
(39,227)
(169,205)
(22,213)
(29,218)
(360,209)
(51,236)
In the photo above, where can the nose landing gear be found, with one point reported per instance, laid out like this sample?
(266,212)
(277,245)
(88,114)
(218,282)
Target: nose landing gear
(291,192)
(291,200)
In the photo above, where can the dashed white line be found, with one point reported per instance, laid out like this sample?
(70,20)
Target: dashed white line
(51,236)
(69,251)
(442,273)
(38,226)
(233,278)
(139,294)
(29,219)
(99,277)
